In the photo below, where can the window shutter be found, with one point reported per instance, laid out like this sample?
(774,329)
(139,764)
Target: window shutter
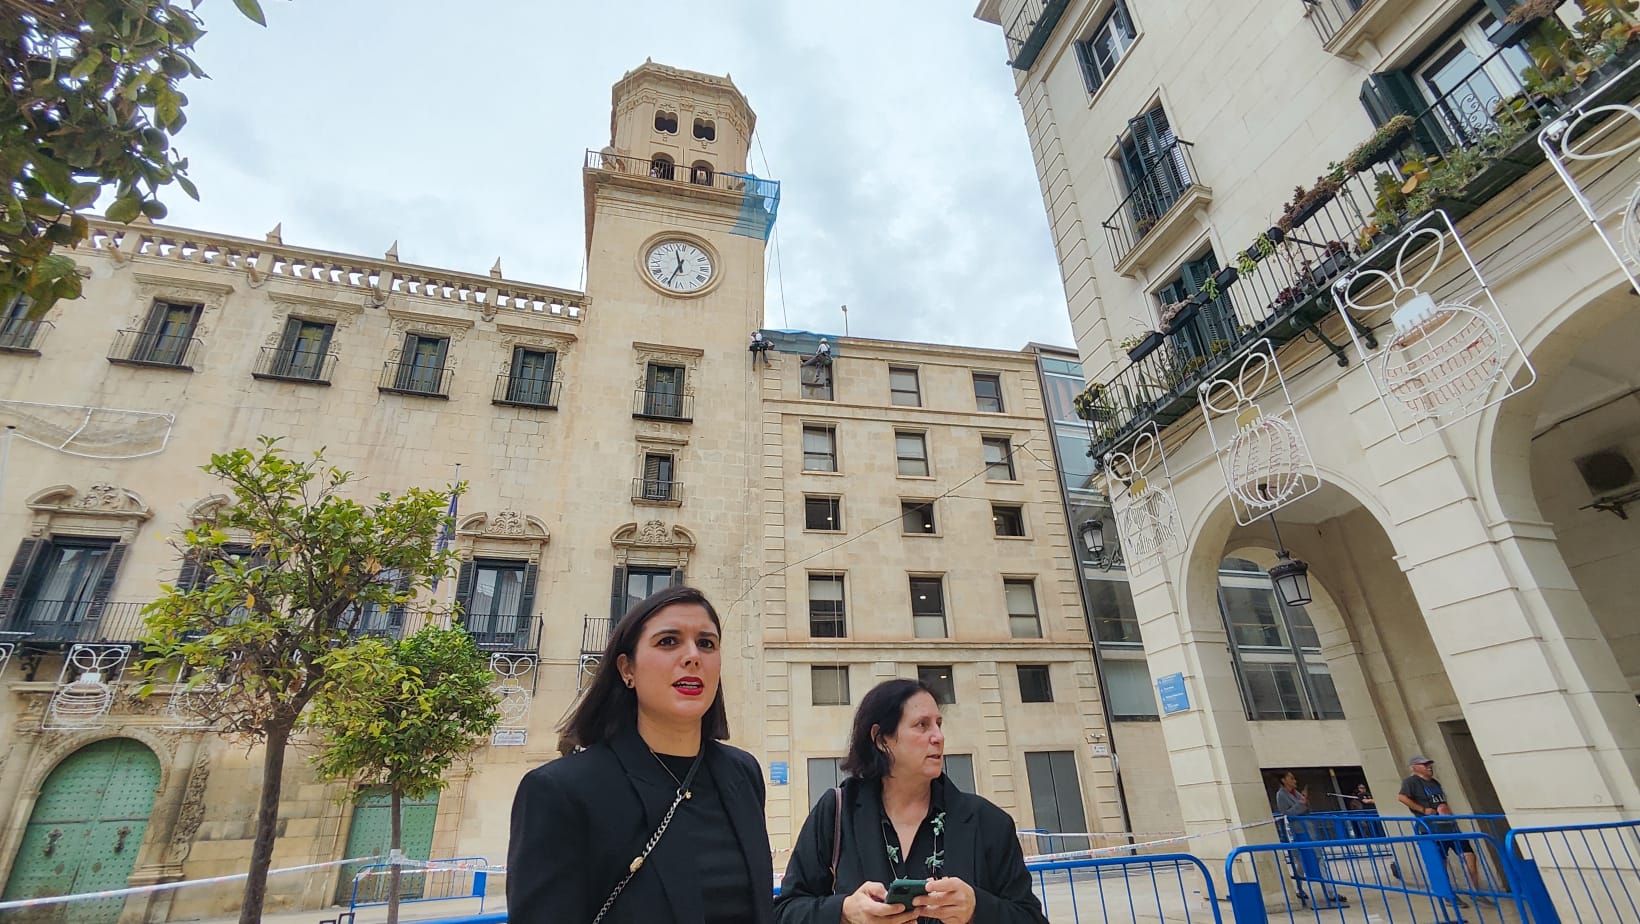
(105,582)
(526,608)
(287,340)
(1090,71)
(12,587)
(465,579)
(617,597)
(518,363)
(188,574)
(677,577)
(395,613)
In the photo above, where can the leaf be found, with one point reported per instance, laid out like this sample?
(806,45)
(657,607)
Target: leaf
(125,209)
(84,194)
(252,11)
(188,187)
(88,64)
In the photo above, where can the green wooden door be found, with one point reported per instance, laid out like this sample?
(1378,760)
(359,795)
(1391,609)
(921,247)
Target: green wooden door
(85,830)
(371,832)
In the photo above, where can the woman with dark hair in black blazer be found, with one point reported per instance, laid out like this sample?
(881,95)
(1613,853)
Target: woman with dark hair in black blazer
(902,818)
(653,819)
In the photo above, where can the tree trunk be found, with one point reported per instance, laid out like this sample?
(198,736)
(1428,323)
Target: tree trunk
(393,878)
(267,822)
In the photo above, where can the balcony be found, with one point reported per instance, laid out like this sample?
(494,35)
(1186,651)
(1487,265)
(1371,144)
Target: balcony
(1030,29)
(21,335)
(504,631)
(1158,209)
(663,405)
(146,348)
(59,623)
(304,366)
(524,391)
(595,635)
(1457,155)
(1330,16)
(657,491)
(666,170)
(421,379)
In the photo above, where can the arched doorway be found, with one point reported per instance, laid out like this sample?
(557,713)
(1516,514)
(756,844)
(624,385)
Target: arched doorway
(85,830)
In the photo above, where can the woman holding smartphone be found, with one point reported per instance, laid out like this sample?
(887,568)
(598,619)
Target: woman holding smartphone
(653,819)
(899,825)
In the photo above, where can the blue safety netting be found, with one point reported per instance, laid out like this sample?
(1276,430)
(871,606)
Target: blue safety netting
(757,207)
(799,341)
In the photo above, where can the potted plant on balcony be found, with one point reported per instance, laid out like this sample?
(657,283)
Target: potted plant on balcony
(1306,202)
(1381,145)
(1531,11)
(1139,346)
(1175,315)
(1093,403)
(1143,226)
(1335,258)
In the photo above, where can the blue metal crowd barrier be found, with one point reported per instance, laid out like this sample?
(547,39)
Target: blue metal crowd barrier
(435,880)
(1401,878)
(1172,887)
(1578,873)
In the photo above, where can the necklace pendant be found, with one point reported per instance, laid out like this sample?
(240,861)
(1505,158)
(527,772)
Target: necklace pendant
(689,794)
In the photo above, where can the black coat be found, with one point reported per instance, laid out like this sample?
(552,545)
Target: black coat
(980,843)
(578,822)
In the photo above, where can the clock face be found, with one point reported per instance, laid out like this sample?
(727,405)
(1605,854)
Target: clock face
(679,266)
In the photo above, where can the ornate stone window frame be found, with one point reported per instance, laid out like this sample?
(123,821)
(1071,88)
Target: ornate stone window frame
(104,511)
(287,305)
(157,287)
(659,353)
(652,544)
(513,336)
(432,325)
(507,533)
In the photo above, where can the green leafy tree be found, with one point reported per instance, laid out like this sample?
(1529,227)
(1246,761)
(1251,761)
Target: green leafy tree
(91,97)
(431,705)
(258,638)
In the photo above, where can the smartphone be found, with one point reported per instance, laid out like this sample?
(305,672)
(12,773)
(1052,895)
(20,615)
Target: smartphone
(902,891)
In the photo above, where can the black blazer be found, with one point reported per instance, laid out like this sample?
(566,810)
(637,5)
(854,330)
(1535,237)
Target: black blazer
(981,847)
(578,822)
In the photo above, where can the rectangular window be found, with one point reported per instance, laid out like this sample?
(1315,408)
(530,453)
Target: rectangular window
(421,365)
(494,613)
(938,678)
(911,453)
(815,377)
(663,391)
(1099,53)
(658,483)
(999,459)
(1155,169)
(1129,691)
(1277,653)
(1056,796)
(376,619)
(529,380)
(829,685)
(1009,519)
(823,514)
(917,518)
(988,392)
(16,330)
(1023,620)
(960,768)
(927,607)
(827,618)
(301,351)
(1035,686)
(60,585)
(641,582)
(819,449)
(1115,622)
(903,387)
(167,334)
(824,773)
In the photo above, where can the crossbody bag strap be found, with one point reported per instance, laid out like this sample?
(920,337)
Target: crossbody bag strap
(666,821)
(836,834)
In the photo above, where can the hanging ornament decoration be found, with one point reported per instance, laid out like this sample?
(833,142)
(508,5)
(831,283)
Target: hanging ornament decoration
(1448,357)
(515,698)
(85,687)
(193,703)
(1592,140)
(1262,453)
(1140,487)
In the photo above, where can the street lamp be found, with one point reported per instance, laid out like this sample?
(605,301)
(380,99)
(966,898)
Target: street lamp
(1290,575)
(1093,537)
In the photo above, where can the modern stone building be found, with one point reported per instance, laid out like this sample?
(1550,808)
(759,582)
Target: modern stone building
(895,512)
(1463,514)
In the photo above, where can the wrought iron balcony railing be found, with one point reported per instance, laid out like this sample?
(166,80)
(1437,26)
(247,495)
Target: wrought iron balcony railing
(1455,155)
(525,391)
(62,622)
(1029,31)
(416,379)
(503,631)
(663,405)
(297,365)
(694,175)
(595,635)
(21,335)
(1328,16)
(657,490)
(1168,175)
(146,348)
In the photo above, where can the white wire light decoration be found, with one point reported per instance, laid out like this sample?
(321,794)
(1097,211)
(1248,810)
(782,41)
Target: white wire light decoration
(1445,360)
(85,688)
(510,671)
(6,648)
(1140,487)
(1262,453)
(1561,143)
(189,705)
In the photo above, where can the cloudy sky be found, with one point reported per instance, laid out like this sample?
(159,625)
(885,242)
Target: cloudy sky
(459,131)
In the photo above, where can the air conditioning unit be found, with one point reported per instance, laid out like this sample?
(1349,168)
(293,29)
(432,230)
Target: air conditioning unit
(1611,479)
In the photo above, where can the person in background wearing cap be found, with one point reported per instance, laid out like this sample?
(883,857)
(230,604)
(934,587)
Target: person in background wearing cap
(1424,796)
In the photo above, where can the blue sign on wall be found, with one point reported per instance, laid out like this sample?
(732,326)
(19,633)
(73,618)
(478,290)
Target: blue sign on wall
(1174,696)
(777,772)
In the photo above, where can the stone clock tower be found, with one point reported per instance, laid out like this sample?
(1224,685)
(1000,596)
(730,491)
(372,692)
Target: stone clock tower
(666,445)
